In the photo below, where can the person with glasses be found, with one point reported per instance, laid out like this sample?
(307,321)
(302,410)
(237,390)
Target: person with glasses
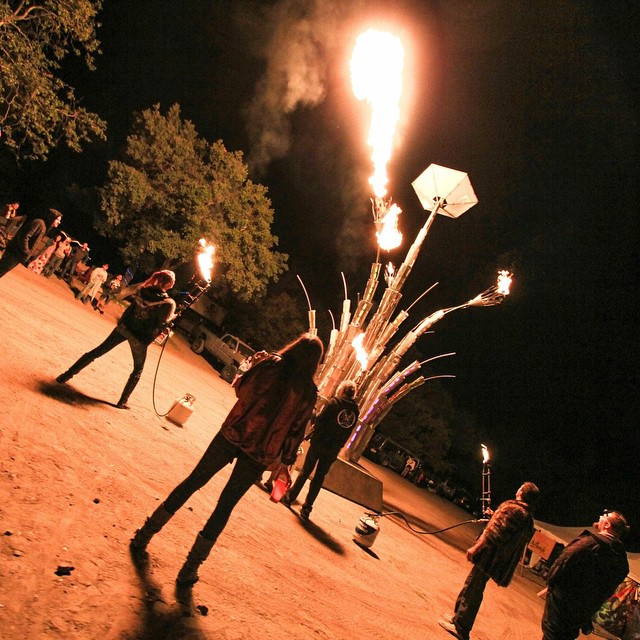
(584,576)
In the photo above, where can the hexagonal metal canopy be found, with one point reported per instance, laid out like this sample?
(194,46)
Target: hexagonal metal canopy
(448,189)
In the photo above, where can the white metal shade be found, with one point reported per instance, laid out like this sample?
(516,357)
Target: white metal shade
(451,187)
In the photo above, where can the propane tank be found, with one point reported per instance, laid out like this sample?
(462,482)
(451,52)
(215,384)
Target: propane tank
(181,410)
(367,530)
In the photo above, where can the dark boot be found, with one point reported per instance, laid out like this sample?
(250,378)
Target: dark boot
(128,390)
(83,361)
(151,526)
(199,553)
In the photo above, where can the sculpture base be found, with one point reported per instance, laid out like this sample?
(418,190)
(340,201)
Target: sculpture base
(354,483)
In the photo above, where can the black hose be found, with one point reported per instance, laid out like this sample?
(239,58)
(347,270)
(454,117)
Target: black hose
(155,376)
(419,531)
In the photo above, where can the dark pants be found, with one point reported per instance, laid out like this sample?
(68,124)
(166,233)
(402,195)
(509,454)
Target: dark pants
(554,624)
(69,270)
(116,337)
(52,266)
(9,261)
(138,351)
(324,464)
(245,473)
(469,601)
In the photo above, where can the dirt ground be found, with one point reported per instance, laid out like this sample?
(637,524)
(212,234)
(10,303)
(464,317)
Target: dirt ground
(78,476)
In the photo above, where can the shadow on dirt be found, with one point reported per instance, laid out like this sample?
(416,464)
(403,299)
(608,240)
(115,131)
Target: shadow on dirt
(321,535)
(69,395)
(160,620)
(367,550)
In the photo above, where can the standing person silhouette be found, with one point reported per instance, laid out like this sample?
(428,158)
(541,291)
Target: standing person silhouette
(584,576)
(495,556)
(276,398)
(331,430)
(149,311)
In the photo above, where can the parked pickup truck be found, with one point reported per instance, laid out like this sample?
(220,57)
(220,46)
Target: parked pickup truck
(228,350)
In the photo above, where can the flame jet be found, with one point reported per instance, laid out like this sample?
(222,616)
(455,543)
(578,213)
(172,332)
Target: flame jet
(357,348)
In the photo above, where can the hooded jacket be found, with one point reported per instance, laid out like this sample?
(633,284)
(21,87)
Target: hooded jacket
(271,413)
(334,426)
(29,234)
(149,310)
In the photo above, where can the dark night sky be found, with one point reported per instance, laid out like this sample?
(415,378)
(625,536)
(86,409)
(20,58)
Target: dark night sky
(536,101)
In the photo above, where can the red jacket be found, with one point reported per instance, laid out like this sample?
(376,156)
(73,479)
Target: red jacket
(271,413)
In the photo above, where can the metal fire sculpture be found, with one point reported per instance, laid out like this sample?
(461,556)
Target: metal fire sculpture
(360,348)
(486,482)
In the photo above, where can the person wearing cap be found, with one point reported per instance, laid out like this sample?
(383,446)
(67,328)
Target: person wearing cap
(584,576)
(148,313)
(495,555)
(25,242)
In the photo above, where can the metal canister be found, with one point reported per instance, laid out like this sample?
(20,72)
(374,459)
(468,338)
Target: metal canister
(367,530)
(181,410)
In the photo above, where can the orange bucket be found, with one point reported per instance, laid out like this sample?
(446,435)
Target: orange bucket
(280,487)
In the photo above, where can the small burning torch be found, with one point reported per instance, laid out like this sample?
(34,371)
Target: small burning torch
(486,483)
(201,282)
(183,407)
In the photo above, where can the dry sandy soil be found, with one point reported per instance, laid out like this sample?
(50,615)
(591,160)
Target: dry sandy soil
(78,476)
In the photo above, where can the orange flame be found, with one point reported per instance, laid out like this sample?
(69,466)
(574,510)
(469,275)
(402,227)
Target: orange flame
(361,355)
(389,274)
(504,282)
(205,259)
(389,236)
(485,453)
(376,76)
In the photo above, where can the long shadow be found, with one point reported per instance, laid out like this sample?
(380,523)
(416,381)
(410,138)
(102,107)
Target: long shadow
(320,534)
(160,620)
(69,395)
(367,550)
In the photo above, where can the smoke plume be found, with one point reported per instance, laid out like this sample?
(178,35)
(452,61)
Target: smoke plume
(298,38)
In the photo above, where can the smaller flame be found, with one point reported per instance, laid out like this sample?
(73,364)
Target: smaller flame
(388,234)
(504,282)
(205,259)
(485,453)
(389,273)
(361,354)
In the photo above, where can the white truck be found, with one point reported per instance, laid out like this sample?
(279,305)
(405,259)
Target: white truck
(227,349)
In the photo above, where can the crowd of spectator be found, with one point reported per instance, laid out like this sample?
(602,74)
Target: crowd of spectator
(47,250)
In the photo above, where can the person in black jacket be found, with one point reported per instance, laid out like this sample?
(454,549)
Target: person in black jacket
(332,428)
(584,576)
(148,313)
(23,245)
